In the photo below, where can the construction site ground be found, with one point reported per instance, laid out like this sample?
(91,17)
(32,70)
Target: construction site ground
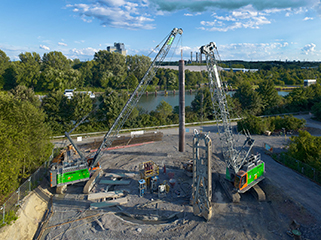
(290,196)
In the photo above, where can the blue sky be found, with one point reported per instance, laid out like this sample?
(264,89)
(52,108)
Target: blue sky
(242,29)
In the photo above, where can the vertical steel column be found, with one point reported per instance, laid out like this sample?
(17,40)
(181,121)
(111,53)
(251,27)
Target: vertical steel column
(181,106)
(29,180)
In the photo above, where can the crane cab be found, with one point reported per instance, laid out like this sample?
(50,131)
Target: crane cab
(240,181)
(249,175)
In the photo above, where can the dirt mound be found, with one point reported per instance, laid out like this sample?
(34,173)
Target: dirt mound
(29,216)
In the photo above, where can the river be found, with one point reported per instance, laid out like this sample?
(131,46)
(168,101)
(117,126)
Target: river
(151,101)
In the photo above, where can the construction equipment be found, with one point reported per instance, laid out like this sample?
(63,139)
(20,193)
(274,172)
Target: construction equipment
(243,169)
(202,175)
(154,184)
(148,170)
(64,153)
(79,170)
(141,187)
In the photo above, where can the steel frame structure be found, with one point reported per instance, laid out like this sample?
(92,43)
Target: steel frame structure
(202,175)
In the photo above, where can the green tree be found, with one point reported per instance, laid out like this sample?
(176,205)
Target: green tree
(56,79)
(164,109)
(51,105)
(316,110)
(55,60)
(190,79)
(306,148)
(11,76)
(63,113)
(4,64)
(162,114)
(25,94)
(297,99)
(268,94)
(131,82)
(109,70)
(253,124)
(172,81)
(249,99)
(202,104)
(137,65)
(162,79)
(24,141)
(110,107)
(30,69)
(80,105)
(86,73)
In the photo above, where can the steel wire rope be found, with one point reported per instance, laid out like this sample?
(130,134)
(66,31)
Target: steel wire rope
(202,96)
(115,89)
(156,68)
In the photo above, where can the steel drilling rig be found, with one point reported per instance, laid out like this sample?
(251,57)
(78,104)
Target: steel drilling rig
(243,169)
(78,169)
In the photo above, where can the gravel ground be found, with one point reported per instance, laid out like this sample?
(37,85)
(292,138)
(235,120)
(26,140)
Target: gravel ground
(290,196)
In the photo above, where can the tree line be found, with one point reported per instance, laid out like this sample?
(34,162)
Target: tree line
(24,138)
(54,71)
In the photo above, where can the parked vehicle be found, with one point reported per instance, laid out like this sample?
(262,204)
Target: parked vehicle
(69,93)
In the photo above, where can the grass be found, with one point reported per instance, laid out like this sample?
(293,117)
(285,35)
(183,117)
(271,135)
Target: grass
(9,218)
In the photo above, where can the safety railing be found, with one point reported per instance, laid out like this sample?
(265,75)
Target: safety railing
(299,166)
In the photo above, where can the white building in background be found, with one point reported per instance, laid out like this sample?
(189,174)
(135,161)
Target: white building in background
(118,47)
(308,82)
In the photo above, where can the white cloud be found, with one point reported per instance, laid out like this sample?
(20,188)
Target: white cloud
(118,14)
(226,18)
(81,41)
(192,14)
(253,51)
(82,54)
(84,51)
(308,18)
(243,18)
(44,47)
(244,13)
(309,48)
(140,14)
(62,44)
(246,17)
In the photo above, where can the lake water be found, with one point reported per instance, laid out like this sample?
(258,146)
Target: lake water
(151,101)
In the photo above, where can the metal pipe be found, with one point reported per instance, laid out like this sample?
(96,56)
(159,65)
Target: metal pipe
(181,106)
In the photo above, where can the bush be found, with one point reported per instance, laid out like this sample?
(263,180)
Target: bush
(316,109)
(288,122)
(306,148)
(257,125)
(9,217)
